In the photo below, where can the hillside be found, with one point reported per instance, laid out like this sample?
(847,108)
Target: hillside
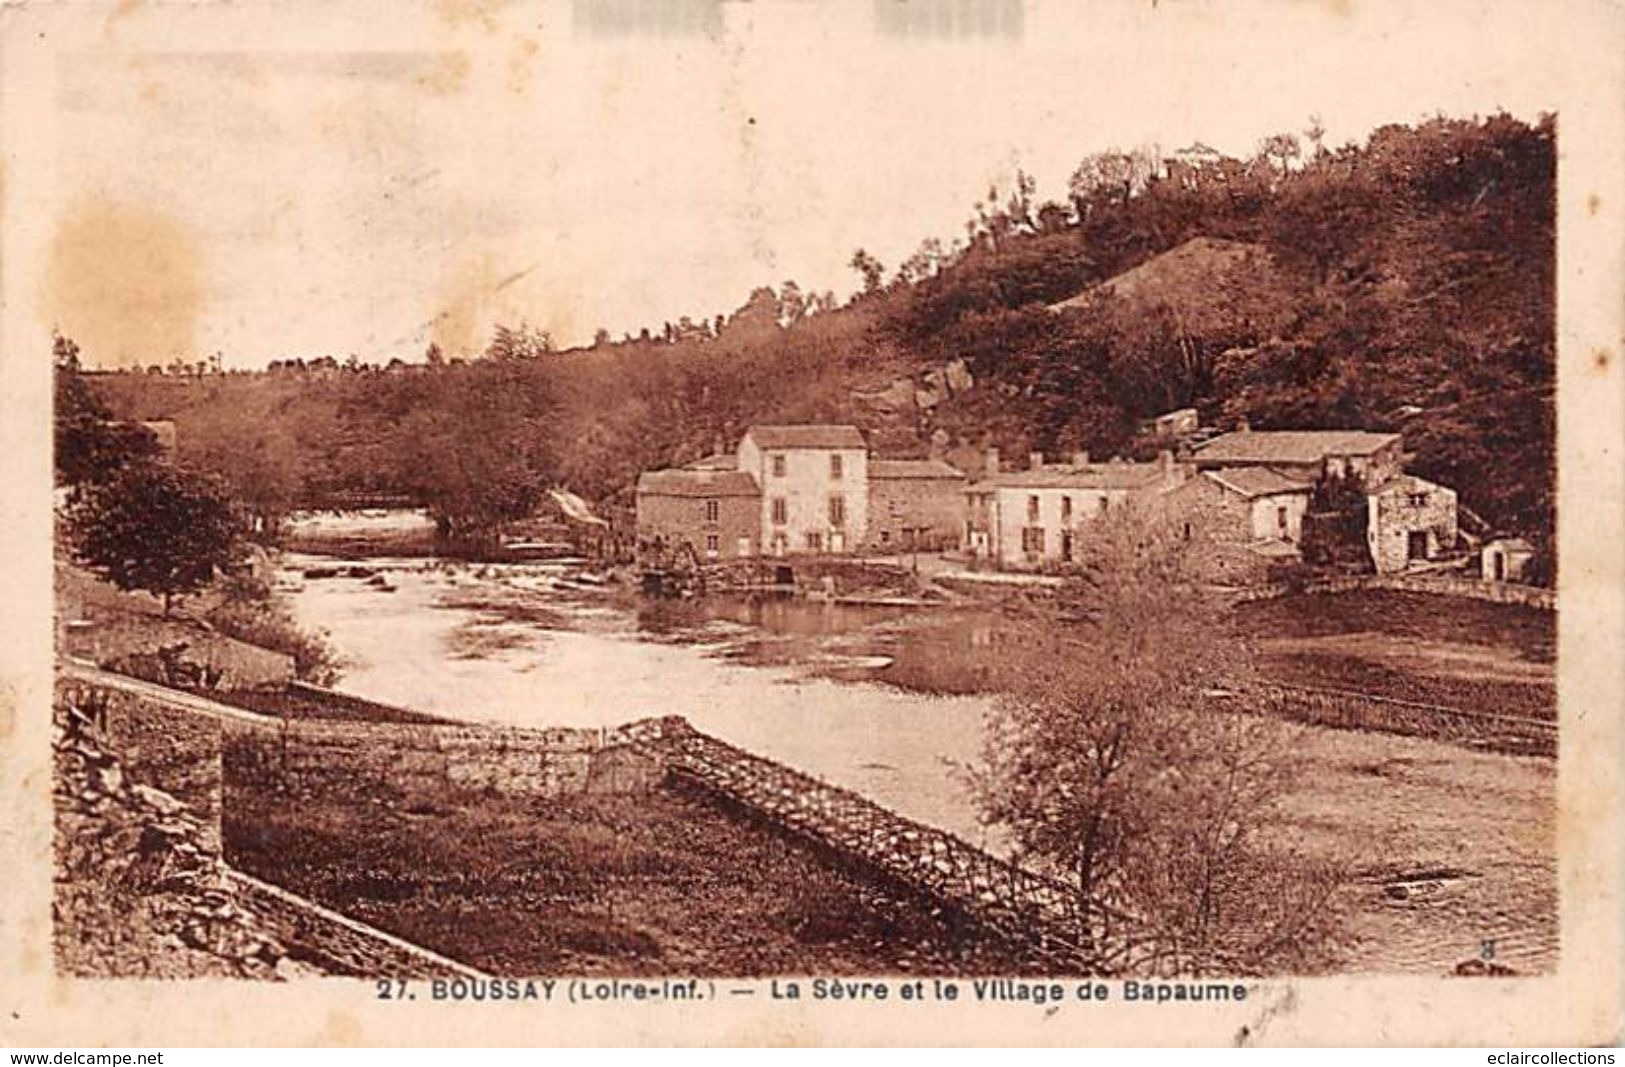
(1405,283)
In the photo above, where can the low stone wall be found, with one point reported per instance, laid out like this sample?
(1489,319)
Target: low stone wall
(332,943)
(157,743)
(1511,734)
(1434,585)
(423,758)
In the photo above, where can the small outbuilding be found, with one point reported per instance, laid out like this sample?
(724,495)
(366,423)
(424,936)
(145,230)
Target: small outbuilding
(1505,559)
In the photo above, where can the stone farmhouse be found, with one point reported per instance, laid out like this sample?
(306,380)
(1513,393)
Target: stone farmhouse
(799,489)
(1030,518)
(1273,472)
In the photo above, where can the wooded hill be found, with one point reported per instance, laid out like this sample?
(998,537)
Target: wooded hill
(1406,283)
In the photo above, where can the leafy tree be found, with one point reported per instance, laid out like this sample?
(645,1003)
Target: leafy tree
(870,269)
(1112,763)
(155,528)
(90,446)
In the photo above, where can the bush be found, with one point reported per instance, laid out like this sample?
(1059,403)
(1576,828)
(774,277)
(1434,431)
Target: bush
(248,612)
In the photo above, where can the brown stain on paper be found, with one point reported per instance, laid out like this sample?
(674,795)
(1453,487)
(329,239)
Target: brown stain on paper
(446,75)
(124,281)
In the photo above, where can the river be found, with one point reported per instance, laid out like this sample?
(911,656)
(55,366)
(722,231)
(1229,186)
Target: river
(533,645)
(885,702)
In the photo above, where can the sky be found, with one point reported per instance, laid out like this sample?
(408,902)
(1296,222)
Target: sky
(297,179)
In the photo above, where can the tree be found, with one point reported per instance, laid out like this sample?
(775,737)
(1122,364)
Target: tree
(90,446)
(1111,762)
(155,528)
(869,268)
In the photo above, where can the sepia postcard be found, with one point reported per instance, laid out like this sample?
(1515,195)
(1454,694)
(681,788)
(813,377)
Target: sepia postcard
(769,522)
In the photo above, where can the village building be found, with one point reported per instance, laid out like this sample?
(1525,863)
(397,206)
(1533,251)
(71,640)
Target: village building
(915,505)
(1308,455)
(1505,559)
(1408,519)
(1172,424)
(710,512)
(814,482)
(1238,521)
(1032,518)
(785,490)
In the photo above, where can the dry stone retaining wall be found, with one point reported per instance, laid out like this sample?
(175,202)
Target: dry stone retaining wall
(1436,585)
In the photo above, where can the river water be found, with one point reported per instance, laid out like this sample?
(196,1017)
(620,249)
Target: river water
(799,682)
(886,702)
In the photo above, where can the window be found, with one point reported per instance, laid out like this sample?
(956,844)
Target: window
(835,466)
(837,511)
(1032,539)
(1280,519)
(1103,505)
(781,511)
(885,537)
(1419,500)
(778,465)
(712,544)
(815,541)
(1187,531)
(711,510)
(1066,509)
(1032,508)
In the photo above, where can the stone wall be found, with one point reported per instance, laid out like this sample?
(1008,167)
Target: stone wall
(425,758)
(1217,528)
(331,943)
(158,745)
(900,507)
(676,519)
(1435,585)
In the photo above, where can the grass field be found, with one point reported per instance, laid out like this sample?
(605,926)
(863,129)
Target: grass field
(1439,650)
(623,885)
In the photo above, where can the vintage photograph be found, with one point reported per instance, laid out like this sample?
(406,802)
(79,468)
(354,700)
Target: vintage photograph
(707,490)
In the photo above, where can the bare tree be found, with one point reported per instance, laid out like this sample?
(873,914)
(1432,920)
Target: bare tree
(1115,761)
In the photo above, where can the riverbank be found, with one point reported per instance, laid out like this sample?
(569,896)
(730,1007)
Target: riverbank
(648,884)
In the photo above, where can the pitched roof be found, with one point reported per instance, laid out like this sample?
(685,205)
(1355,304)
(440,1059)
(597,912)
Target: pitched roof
(718,461)
(914,468)
(806,435)
(1253,482)
(1065,476)
(692,483)
(1406,483)
(1290,446)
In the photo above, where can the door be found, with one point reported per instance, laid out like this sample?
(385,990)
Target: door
(1499,563)
(1417,544)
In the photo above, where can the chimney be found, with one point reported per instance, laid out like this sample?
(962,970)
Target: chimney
(1241,425)
(1080,459)
(1035,461)
(992,462)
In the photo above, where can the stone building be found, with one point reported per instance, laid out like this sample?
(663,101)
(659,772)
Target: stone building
(715,512)
(814,482)
(1031,518)
(1505,559)
(1409,520)
(1239,521)
(1307,455)
(915,504)
(784,490)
